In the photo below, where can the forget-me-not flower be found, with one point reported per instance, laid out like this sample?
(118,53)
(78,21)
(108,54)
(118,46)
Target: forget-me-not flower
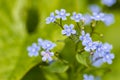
(62,14)
(68,30)
(98,62)
(40,41)
(84,36)
(108,2)
(106,47)
(101,52)
(47,45)
(47,55)
(94,8)
(108,58)
(88,77)
(76,17)
(102,55)
(86,19)
(108,19)
(87,42)
(98,16)
(91,46)
(51,18)
(97,59)
(33,50)
(102,49)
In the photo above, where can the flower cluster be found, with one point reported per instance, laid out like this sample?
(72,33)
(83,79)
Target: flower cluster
(45,47)
(100,52)
(87,42)
(59,15)
(97,15)
(108,19)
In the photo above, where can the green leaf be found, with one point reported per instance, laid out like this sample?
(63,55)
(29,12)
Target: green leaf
(57,66)
(12,35)
(15,20)
(81,58)
(68,51)
(34,74)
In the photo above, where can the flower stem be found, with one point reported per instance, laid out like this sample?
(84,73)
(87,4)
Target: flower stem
(59,25)
(82,50)
(78,26)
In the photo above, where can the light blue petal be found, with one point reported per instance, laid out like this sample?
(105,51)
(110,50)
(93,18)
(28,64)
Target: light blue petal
(73,32)
(44,58)
(63,32)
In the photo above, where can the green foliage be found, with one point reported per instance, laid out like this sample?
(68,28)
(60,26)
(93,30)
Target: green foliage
(58,67)
(11,38)
(81,58)
(34,74)
(14,39)
(22,22)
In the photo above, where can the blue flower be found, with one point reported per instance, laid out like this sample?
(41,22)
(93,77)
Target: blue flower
(47,55)
(98,16)
(100,52)
(97,63)
(50,19)
(33,50)
(108,2)
(91,46)
(84,36)
(106,47)
(108,58)
(47,45)
(96,59)
(87,19)
(40,41)
(76,17)
(94,8)
(108,19)
(88,77)
(87,42)
(68,30)
(87,39)
(102,49)
(102,55)
(62,14)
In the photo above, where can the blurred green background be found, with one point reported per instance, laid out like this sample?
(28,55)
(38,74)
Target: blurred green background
(23,21)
